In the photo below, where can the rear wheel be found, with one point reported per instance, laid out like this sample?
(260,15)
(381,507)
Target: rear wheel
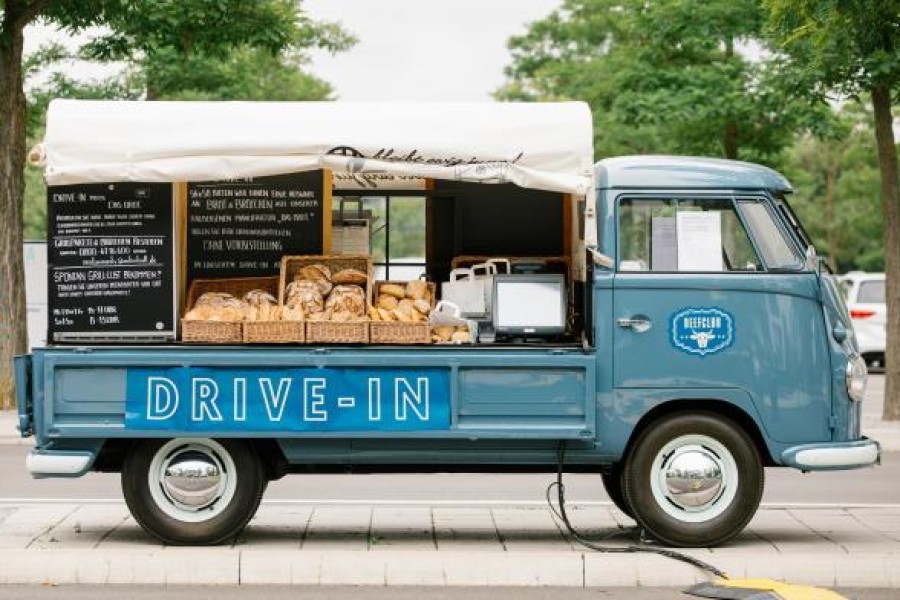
(612,483)
(693,479)
(192,490)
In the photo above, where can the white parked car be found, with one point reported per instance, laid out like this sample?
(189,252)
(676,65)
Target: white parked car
(866,300)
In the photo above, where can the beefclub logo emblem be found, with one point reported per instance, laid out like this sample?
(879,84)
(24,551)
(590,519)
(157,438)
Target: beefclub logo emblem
(701,331)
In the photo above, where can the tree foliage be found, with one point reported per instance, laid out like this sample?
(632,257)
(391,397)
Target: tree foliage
(663,77)
(836,182)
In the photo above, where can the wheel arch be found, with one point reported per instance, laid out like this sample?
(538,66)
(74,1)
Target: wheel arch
(721,408)
(113,451)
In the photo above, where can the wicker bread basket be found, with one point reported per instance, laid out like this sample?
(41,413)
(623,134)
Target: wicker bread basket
(221,332)
(291,264)
(330,332)
(400,332)
(337,332)
(274,332)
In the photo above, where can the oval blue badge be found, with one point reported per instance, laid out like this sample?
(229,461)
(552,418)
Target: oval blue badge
(701,331)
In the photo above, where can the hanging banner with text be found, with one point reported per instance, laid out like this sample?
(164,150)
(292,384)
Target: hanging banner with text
(110,262)
(312,399)
(242,228)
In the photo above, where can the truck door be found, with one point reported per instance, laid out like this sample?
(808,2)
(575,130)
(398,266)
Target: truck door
(711,300)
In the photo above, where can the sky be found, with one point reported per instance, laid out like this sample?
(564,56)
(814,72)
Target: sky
(423,50)
(413,50)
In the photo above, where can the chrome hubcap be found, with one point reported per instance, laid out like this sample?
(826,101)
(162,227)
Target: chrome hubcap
(693,477)
(192,479)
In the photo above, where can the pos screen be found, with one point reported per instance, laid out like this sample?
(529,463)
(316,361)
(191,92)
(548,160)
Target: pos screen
(529,304)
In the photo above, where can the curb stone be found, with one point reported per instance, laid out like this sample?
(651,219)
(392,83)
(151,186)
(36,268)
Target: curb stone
(266,567)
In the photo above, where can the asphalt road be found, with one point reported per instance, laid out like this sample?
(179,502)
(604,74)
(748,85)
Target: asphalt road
(91,592)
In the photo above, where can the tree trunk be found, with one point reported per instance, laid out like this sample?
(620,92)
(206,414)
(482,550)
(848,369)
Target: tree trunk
(890,203)
(13,329)
(731,127)
(731,140)
(830,225)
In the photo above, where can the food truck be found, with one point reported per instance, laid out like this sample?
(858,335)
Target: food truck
(223,311)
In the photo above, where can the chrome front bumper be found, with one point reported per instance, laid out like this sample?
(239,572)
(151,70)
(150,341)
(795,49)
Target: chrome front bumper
(833,456)
(58,463)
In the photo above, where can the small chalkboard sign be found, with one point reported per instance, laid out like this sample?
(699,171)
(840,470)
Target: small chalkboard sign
(110,258)
(242,228)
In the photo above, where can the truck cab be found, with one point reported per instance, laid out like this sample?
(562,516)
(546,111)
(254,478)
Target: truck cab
(705,343)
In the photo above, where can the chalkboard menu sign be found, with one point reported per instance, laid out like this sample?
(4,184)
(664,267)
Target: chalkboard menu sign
(110,262)
(242,228)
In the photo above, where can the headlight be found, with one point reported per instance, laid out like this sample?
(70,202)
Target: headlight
(856,378)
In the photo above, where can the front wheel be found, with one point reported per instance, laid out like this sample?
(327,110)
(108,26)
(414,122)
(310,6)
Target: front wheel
(693,479)
(192,490)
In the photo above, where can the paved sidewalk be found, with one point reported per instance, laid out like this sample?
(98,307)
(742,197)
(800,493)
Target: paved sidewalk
(299,543)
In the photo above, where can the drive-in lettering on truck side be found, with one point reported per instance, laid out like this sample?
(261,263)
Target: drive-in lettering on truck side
(239,291)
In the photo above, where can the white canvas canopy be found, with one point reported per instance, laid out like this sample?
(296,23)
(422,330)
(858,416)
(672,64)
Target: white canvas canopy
(547,146)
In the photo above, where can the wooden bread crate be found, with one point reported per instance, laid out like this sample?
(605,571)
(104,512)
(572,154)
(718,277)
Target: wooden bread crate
(221,332)
(400,332)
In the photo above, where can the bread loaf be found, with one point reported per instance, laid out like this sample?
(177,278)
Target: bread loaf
(461,337)
(316,271)
(347,298)
(443,333)
(304,295)
(387,302)
(262,306)
(319,274)
(295,313)
(416,289)
(392,289)
(217,306)
(423,306)
(349,277)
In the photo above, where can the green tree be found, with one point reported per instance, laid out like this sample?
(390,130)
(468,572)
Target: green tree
(836,182)
(662,76)
(16,14)
(177,48)
(852,47)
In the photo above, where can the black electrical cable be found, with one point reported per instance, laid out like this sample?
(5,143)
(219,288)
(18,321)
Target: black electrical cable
(593,545)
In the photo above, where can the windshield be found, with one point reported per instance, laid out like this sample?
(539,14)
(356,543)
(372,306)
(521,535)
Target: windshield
(776,250)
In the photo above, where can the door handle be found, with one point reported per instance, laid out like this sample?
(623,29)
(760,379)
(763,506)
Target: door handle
(638,323)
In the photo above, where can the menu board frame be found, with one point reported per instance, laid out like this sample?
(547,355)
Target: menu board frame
(170,272)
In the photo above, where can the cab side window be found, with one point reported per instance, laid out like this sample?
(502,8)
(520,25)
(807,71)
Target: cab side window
(689,235)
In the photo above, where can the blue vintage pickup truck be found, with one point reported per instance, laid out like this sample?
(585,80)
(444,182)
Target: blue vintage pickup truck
(689,377)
